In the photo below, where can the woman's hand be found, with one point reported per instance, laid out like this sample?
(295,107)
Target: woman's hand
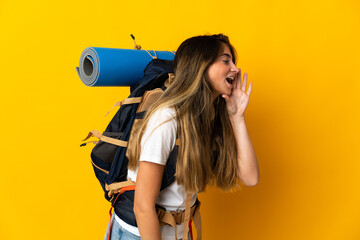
(236,104)
(238,101)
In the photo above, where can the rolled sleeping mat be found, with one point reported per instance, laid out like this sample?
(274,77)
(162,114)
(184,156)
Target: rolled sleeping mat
(100,67)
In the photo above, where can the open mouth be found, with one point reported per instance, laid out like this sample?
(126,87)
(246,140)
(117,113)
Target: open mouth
(230,80)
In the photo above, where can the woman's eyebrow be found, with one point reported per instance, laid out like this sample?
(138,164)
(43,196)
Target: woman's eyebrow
(225,54)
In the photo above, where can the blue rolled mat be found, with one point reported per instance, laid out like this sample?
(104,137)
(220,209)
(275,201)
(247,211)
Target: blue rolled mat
(100,67)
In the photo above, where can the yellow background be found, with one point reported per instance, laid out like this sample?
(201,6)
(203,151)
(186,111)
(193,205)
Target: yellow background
(303,116)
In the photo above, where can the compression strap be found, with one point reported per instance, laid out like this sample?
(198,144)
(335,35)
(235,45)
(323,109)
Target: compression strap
(106,139)
(187,216)
(132,100)
(119,187)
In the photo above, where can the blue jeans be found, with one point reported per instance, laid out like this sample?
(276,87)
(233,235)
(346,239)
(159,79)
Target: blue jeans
(119,233)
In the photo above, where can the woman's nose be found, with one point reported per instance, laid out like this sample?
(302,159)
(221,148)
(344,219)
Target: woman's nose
(235,69)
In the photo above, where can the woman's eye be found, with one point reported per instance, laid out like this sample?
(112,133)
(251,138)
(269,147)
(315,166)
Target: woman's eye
(226,61)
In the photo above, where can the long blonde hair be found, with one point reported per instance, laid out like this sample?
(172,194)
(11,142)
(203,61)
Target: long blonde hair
(207,149)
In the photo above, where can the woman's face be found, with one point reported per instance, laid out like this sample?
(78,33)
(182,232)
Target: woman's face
(222,72)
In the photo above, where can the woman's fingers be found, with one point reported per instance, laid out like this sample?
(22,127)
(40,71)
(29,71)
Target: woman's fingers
(225,97)
(243,86)
(249,89)
(230,105)
(237,79)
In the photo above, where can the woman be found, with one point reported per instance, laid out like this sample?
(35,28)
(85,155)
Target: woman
(204,108)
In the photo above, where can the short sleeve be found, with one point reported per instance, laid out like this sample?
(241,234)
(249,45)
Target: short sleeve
(159,137)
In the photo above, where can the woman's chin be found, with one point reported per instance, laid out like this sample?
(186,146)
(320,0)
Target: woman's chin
(228,92)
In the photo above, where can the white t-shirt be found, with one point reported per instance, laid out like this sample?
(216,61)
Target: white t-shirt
(156,144)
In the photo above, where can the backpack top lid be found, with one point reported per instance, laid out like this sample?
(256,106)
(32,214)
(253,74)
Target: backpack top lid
(152,76)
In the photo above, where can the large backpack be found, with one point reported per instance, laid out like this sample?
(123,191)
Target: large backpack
(109,157)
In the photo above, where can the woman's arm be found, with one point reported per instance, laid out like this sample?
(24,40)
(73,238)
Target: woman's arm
(236,105)
(148,183)
(156,144)
(247,161)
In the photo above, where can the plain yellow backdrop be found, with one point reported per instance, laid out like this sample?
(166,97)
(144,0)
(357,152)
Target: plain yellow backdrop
(303,116)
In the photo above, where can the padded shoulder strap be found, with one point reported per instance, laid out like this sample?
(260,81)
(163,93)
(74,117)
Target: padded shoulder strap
(149,98)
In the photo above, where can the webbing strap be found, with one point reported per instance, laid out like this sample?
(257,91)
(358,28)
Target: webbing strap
(84,144)
(118,187)
(174,218)
(106,139)
(126,101)
(130,100)
(169,219)
(187,216)
(105,171)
